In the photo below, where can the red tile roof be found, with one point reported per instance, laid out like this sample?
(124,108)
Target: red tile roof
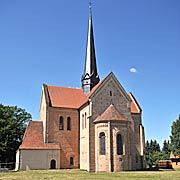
(110,114)
(74,98)
(66,97)
(33,137)
(135,108)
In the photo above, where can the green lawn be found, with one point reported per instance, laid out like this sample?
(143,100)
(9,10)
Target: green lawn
(77,174)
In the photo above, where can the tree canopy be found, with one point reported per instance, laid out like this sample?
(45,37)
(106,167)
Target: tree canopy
(175,137)
(154,152)
(13,121)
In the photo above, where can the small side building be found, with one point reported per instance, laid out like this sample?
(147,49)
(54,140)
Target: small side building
(34,153)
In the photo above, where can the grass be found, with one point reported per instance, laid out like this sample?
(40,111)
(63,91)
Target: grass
(83,175)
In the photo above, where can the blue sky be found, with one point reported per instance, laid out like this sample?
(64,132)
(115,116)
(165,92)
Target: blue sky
(45,42)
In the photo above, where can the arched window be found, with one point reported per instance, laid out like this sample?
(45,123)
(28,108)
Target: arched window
(69,123)
(119,145)
(102,143)
(61,123)
(71,161)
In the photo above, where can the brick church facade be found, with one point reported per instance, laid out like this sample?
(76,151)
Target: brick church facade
(96,128)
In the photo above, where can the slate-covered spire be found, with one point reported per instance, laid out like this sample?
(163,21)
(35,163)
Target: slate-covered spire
(90,76)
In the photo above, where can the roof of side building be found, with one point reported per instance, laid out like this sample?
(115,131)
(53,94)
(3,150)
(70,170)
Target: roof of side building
(33,138)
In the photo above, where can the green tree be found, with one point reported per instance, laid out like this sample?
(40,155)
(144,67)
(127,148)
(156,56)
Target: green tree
(154,153)
(13,121)
(175,137)
(149,153)
(166,150)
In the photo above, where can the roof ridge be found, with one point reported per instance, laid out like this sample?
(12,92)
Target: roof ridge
(65,87)
(34,120)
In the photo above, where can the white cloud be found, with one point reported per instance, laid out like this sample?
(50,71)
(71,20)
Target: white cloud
(133,70)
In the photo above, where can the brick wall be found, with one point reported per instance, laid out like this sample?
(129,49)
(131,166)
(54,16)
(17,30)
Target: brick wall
(68,139)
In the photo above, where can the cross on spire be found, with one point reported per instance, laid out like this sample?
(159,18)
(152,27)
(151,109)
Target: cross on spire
(90,4)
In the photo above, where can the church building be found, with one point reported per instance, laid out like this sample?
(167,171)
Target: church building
(95,128)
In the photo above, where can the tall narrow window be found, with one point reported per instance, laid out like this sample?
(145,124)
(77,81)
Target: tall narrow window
(119,145)
(69,123)
(102,143)
(136,158)
(110,93)
(71,161)
(61,123)
(85,121)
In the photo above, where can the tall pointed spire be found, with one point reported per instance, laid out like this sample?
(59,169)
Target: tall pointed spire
(90,76)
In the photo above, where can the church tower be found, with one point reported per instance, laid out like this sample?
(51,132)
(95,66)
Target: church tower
(90,76)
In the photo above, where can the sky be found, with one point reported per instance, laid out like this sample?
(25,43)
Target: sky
(43,41)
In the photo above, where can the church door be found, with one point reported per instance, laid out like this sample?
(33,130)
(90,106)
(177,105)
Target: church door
(53,164)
